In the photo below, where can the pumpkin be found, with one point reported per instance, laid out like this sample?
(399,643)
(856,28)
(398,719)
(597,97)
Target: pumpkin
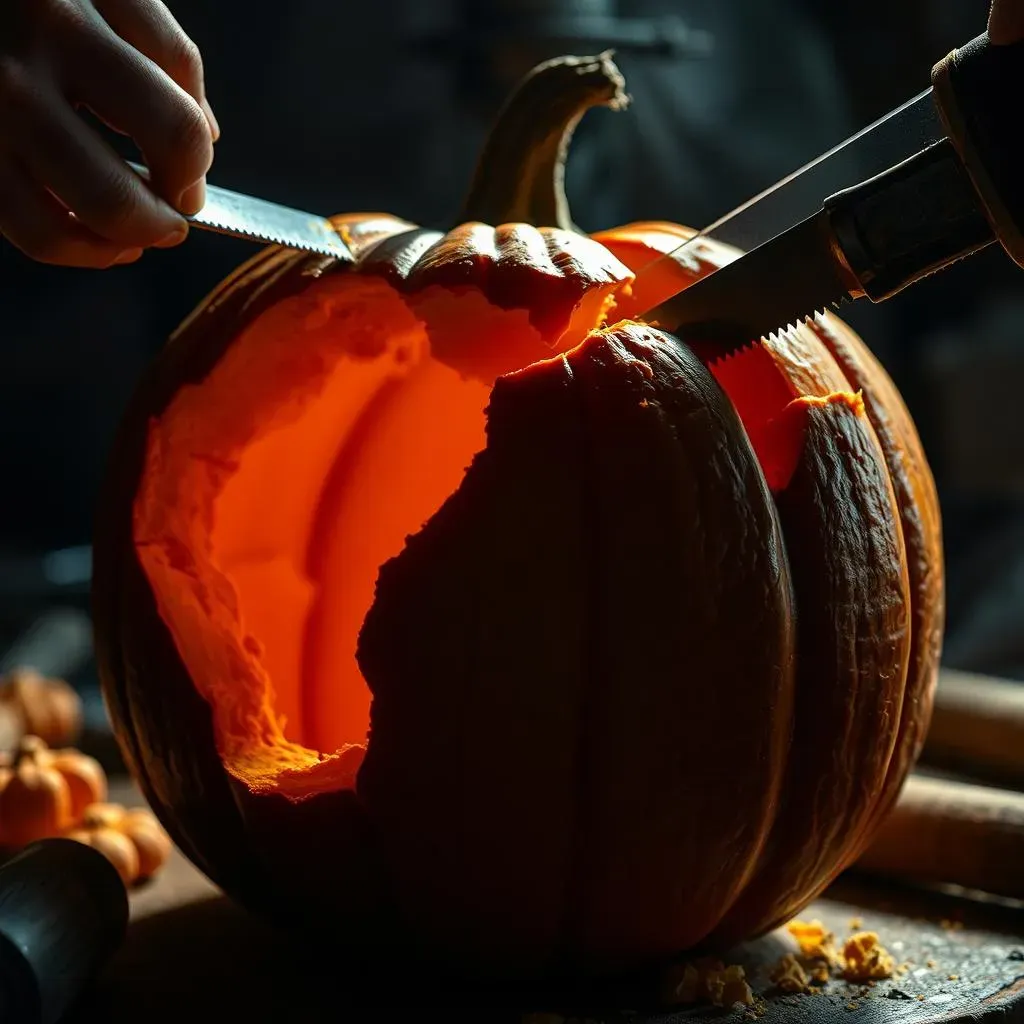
(86,779)
(442,602)
(132,840)
(40,706)
(43,792)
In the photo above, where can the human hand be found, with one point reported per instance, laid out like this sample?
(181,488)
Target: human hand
(66,197)
(1006,22)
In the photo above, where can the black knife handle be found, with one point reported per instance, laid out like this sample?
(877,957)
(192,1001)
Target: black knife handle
(908,222)
(979,90)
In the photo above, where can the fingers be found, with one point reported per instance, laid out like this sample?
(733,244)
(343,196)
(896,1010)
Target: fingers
(136,97)
(67,196)
(66,157)
(40,227)
(151,28)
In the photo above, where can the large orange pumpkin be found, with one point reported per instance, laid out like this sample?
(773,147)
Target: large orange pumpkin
(429,614)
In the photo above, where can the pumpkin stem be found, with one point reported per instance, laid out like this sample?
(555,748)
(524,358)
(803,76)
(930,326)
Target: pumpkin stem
(30,749)
(520,174)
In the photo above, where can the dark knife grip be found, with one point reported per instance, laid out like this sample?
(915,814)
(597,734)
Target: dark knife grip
(906,223)
(980,90)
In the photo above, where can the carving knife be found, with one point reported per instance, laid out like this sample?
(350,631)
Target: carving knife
(937,179)
(242,216)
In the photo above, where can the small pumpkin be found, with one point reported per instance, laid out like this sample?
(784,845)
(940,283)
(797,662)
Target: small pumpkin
(86,779)
(132,840)
(40,706)
(44,792)
(442,600)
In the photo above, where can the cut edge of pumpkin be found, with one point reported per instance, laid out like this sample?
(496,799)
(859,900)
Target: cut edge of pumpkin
(255,628)
(226,480)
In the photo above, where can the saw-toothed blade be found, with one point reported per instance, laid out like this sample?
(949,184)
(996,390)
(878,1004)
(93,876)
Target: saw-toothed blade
(774,287)
(242,216)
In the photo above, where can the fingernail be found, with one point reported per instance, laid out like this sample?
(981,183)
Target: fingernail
(174,238)
(128,256)
(193,199)
(211,118)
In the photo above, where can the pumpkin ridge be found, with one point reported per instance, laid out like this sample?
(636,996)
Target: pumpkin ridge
(398,257)
(614,361)
(571,928)
(475,737)
(775,384)
(842,461)
(921,523)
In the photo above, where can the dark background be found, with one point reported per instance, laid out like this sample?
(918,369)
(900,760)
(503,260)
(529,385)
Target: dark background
(340,106)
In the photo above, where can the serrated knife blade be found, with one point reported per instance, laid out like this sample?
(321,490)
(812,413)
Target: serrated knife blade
(243,216)
(774,287)
(788,267)
(886,208)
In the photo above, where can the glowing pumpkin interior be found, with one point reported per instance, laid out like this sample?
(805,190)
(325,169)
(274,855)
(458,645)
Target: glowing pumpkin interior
(273,491)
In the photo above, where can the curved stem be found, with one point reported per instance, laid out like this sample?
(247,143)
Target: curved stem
(520,175)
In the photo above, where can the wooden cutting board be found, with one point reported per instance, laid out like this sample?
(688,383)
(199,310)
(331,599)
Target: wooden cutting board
(192,957)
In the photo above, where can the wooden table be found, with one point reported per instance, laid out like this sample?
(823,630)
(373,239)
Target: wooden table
(193,957)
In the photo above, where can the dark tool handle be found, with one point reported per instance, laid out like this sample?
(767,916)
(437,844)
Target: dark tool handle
(63,913)
(908,222)
(979,89)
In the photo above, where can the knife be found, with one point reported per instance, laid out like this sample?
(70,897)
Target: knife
(937,179)
(242,216)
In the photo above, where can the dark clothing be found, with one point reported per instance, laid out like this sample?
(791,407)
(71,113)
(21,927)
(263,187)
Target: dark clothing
(326,105)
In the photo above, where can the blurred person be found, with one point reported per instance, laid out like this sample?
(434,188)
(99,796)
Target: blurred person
(333,107)
(66,196)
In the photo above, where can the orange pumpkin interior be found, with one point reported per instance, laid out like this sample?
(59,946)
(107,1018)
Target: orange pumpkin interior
(274,489)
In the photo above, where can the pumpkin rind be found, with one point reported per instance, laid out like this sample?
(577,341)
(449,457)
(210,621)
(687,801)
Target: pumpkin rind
(629,412)
(918,503)
(845,552)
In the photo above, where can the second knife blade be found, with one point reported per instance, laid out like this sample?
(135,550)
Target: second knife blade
(242,216)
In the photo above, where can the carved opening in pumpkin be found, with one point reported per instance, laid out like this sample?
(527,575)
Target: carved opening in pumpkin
(275,488)
(324,436)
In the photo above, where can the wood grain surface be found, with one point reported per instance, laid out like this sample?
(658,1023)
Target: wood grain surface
(193,957)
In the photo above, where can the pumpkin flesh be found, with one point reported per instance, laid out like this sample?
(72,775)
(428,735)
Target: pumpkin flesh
(269,472)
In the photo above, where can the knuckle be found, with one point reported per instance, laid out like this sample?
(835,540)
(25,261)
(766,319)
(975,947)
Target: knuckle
(61,16)
(184,58)
(191,135)
(117,206)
